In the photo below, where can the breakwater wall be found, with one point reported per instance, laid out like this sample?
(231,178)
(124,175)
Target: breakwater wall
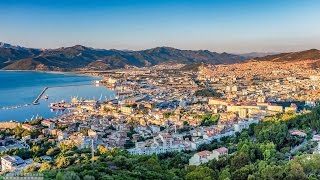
(36,101)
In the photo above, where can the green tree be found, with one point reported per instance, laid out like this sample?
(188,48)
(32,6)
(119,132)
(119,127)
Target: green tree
(268,149)
(200,173)
(70,175)
(240,160)
(225,174)
(295,172)
(272,172)
(88,177)
(60,176)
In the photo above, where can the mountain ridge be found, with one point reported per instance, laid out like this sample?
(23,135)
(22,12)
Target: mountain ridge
(311,54)
(84,58)
(79,57)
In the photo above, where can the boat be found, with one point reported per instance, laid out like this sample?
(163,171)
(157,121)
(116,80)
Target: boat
(58,106)
(46,97)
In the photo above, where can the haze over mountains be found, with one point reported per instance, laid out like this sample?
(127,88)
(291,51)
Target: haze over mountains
(84,58)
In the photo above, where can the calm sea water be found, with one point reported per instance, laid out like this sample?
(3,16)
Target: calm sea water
(18,88)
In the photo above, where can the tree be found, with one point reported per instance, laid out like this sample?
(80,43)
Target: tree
(88,177)
(53,151)
(200,173)
(243,172)
(295,172)
(225,174)
(209,119)
(153,164)
(272,172)
(208,93)
(66,146)
(60,176)
(275,132)
(45,166)
(62,162)
(70,175)
(268,149)
(30,168)
(36,150)
(239,160)
(102,149)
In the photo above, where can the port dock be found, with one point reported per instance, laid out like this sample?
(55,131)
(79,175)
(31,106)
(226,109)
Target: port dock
(36,101)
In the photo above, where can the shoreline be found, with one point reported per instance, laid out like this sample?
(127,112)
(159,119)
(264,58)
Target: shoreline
(78,73)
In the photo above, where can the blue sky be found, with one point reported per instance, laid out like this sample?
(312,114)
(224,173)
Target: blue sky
(216,25)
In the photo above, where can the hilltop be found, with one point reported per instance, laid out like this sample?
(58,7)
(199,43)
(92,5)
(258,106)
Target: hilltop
(312,54)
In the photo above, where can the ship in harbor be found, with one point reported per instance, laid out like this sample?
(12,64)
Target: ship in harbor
(59,106)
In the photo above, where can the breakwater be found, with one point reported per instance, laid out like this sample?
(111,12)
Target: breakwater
(36,101)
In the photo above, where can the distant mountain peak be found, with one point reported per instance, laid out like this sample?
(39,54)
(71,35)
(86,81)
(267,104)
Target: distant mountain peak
(79,47)
(7,45)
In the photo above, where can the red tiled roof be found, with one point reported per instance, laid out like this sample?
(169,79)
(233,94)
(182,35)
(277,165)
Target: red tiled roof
(27,126)
(222,150)
(204,153)
(46,122)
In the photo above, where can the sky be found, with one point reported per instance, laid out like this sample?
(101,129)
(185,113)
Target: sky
(236,26)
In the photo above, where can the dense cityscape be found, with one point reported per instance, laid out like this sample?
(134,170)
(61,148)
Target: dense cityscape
(160,90)
(196,115)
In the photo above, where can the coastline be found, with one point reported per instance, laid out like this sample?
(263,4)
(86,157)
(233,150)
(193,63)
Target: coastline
(76,73)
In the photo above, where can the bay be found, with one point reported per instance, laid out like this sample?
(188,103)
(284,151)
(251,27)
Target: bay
(22,87)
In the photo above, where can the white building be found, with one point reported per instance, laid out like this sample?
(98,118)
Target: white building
(48,124)
(205,156)
(163,143)
(238,127)
(10,163)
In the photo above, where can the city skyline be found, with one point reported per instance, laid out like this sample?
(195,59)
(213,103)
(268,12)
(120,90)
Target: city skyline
(221,26)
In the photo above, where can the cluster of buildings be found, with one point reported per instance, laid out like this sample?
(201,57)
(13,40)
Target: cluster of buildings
(155,110)
(263,81)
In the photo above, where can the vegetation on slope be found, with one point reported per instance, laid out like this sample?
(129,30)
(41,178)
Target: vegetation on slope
(260,152)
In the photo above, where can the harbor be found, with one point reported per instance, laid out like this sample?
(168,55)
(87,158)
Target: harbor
(36,100)
(40,96)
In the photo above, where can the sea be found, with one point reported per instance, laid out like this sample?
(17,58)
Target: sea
(18,88)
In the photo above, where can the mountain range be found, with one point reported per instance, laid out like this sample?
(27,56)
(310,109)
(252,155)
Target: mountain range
(85,58)
(79,57)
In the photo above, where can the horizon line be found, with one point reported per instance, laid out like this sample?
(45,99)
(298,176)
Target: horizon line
(163,46)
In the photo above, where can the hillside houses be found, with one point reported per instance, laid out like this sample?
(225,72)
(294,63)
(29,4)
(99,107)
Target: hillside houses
(205,156)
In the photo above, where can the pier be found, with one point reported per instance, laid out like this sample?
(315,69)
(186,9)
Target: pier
(36,101)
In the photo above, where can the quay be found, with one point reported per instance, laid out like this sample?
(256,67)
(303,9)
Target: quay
(36,101)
